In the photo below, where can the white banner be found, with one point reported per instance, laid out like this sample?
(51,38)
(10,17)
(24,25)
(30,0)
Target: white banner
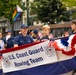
(25,58)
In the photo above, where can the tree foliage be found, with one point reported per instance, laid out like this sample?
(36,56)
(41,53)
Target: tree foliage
(7,8)
(69,3)
(49,10)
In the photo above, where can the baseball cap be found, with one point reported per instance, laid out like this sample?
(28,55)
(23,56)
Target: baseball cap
(35,31)
(24,26)
(8,31)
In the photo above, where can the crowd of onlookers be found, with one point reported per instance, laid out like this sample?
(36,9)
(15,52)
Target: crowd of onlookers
(35,35)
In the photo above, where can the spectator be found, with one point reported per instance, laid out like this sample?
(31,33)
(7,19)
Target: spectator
(23,38)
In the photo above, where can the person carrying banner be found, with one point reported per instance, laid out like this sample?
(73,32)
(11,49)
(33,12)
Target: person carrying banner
(23,38)
(9,39)
(66,34)
(1,48)
(19,40)
(73,26)
(46,35)
(1,42)
(49,69)
(35,35)
(19,32)
(1,37)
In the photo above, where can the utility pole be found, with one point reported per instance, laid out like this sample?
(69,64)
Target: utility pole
(26,5)
(27,12)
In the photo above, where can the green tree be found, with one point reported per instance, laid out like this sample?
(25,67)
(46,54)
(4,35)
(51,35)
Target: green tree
(7,8)
(49,10)
(69,3)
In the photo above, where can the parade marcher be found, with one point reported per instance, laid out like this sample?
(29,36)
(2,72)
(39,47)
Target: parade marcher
(66,34)
(9,39)
(1,42)
(73,26)
(1,37)
(2,45)
(1,48)
(19,32)
(23,38)
(46,35)
(35,35)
